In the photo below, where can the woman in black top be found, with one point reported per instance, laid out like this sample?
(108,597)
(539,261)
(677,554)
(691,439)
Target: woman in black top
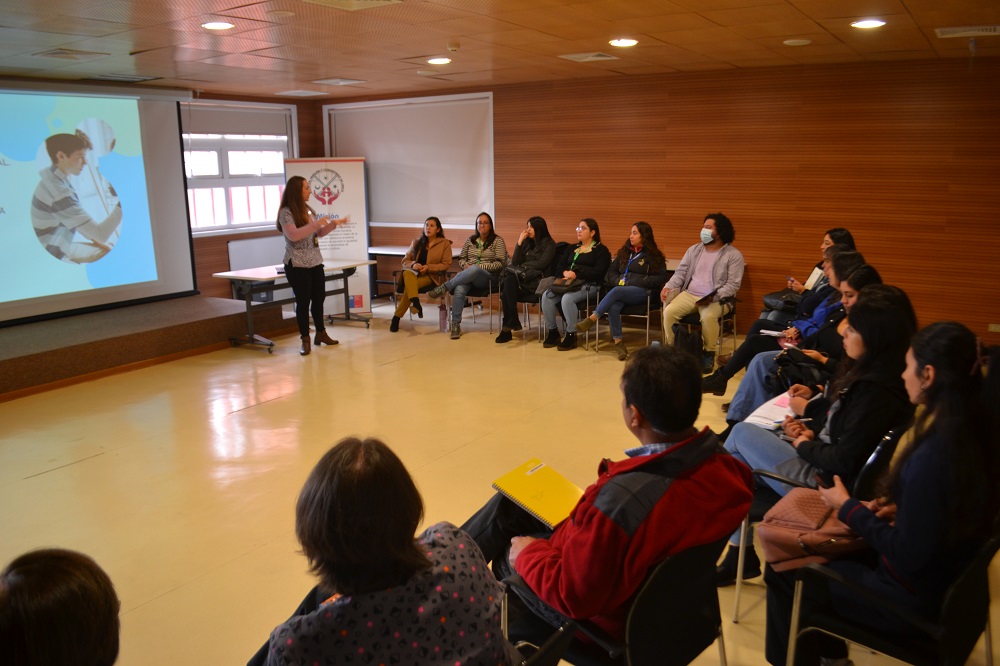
(533,253)
(588,261)
(638,269)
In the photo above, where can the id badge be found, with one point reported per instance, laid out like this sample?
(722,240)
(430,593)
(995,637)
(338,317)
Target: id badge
(621,282)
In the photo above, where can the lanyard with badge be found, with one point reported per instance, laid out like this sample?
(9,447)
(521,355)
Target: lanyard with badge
(624,277)
(579,250)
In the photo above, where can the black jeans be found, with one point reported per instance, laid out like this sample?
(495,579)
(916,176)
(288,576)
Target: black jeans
(753,344)
(308,285)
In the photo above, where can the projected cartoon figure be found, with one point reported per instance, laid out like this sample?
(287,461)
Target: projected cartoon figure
(75,211)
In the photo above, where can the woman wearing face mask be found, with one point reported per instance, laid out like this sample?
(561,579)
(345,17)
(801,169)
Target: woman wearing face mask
(588,261)
(942,504)
(534,252)
(482,259)
(638,269)
(845,424)
(428,257)
(710,271)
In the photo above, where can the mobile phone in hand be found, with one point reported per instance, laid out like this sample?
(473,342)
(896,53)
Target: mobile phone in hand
(824,479)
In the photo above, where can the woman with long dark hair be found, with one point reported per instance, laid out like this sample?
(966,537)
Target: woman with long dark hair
(302,229)
(942,503)
(425,262)
(533,253)
(588,261)
(845,424)
(637,269)
(483,257)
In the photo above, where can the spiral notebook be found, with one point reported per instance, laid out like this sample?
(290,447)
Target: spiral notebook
(540,490)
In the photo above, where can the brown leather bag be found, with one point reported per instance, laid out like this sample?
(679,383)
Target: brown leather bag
(801,529)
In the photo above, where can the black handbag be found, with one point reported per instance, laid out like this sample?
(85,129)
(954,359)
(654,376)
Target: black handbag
(794,367)
(524,274)
(782,301)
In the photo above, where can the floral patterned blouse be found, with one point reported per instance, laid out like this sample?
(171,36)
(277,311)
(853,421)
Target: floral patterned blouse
(446,615)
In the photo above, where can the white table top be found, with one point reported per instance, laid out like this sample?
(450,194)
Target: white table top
(400,250)
(270,273)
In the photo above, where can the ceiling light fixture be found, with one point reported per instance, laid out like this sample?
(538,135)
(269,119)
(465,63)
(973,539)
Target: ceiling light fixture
(623,42)
(217,25)
(868,24)
(439,61)
(797,42)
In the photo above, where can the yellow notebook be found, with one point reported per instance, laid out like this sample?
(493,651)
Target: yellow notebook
(540,490)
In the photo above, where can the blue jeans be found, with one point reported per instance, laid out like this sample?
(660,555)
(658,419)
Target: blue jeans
(570,306)
(761,449)
(472,277)
(615,301)
(752,391)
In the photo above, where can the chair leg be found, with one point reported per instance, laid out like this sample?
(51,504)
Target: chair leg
(793,631)
(722,647)
(989,640)
(744,528)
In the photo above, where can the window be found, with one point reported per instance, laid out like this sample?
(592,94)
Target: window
(234,159)
(234,180)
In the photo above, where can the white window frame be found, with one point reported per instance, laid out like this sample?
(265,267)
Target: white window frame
(243,117)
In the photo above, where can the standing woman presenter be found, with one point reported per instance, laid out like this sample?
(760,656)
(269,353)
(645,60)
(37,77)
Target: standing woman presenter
(302,229)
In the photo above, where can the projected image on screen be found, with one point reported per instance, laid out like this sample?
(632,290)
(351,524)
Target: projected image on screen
(73,195)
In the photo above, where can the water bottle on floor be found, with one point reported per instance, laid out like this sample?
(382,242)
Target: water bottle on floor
(442,318)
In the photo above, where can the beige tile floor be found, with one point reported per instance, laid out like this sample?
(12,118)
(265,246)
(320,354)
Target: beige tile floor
(180,479)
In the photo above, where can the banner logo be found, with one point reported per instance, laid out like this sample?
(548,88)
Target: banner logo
(326,185)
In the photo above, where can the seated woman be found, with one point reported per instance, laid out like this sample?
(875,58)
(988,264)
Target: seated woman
(534,252)
(825,346)
(355,518)
(861,406)
(814,295)
(638,269)
(428,257)
(942,504)
(840,263)
(58,607)
(483,257)
(588,261)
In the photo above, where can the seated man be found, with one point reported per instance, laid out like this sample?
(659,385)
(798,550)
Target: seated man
(710,271)
(678,489)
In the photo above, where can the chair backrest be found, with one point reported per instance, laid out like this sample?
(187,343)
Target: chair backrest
(866,486)
(965,607)
(562,249)
(675,615)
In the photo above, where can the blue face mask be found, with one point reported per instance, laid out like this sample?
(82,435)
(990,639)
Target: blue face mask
(706,236)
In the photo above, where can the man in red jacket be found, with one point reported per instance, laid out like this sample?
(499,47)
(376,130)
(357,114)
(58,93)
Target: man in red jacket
(676,490)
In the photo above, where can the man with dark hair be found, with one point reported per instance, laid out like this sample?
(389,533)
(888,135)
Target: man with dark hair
(709,272)
(64,228)
(676,490)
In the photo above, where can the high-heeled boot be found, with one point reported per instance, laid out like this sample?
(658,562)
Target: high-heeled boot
(416,308)
(323,338)
(306,348)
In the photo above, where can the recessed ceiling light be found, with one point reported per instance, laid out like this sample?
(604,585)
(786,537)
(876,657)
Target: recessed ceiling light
(624,42)
(339,81)
(217,25)
(280,13)
(300,93)
(867,24)
(439,61)
(797,42)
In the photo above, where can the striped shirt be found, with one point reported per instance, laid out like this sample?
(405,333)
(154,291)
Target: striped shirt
(64,228)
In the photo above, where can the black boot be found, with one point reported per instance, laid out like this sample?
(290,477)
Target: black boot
(725,573)
(569,342)
(715,383)
(552,338)
(504,336)
(416,308)
(394,324)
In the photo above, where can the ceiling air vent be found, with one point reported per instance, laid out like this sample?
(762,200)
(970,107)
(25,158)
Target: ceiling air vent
(589,57)
(354,5)
(968,31)
(70,54)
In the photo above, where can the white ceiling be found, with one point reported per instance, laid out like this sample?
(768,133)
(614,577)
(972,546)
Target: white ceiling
(498,41)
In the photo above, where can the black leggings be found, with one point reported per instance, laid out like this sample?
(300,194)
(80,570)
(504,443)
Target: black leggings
(510,293)
(308,286)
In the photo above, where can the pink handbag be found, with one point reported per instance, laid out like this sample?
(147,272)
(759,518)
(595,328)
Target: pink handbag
(801,529)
